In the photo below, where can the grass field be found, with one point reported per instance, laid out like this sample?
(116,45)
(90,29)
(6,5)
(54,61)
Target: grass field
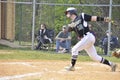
(28,54)
(27,64)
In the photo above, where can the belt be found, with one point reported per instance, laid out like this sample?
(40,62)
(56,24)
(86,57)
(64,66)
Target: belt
(87,33)
(80,37)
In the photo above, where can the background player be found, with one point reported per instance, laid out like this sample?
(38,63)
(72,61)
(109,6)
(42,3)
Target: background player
(80,26)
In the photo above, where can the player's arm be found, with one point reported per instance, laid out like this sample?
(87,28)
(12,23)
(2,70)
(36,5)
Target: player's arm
(96,18)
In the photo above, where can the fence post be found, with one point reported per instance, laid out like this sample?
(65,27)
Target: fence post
(33,23)
(109,27)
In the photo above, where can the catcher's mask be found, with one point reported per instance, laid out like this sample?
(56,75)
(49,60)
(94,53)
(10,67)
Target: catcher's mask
(71,10)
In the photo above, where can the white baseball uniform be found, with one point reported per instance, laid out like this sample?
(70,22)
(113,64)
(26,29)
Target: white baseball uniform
(80,26)
(87,41)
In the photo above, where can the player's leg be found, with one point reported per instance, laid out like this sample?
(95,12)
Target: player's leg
(82,44)
(93,54)
(85,42)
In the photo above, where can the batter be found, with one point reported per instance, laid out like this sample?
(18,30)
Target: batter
(79,24)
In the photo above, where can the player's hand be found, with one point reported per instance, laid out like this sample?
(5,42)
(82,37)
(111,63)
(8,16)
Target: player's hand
(72,25)
(107,19)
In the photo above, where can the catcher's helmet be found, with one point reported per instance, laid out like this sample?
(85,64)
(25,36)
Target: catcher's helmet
(71,10)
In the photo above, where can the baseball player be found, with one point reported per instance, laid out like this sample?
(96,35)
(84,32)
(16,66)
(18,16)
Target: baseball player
(79,24)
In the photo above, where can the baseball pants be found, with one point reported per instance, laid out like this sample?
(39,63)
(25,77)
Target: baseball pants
(87,44)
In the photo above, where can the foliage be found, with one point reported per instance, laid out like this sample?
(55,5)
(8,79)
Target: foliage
(53,16)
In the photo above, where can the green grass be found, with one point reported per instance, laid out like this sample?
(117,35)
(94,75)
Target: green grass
(34,55)
(7,53)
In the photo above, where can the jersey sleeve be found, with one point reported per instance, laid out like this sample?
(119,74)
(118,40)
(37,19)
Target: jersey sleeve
(86,17)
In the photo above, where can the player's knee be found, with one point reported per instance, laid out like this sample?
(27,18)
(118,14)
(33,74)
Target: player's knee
(74,51)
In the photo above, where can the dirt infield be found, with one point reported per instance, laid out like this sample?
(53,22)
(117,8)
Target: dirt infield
(54,70)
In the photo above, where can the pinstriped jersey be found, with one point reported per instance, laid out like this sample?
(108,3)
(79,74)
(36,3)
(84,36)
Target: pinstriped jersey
(82,27)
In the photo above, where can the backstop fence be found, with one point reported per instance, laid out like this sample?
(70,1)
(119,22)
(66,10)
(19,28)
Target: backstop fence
(29,14)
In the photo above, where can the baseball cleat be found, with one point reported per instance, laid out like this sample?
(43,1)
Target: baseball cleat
(70,68)
(113,67)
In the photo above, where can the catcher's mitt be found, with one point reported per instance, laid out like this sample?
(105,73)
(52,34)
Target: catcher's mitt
(116,53)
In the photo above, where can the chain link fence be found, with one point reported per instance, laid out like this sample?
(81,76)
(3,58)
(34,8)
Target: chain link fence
(51,13)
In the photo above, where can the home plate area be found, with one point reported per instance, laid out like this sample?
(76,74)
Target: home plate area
(55,70)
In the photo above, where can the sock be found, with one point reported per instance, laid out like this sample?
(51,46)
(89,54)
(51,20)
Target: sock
(73,62)
(105,61)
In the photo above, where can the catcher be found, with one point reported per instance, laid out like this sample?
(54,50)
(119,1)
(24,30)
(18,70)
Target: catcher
(79,24)
(116,53)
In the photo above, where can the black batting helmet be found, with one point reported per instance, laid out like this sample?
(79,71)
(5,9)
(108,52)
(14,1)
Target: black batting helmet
(71,10)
